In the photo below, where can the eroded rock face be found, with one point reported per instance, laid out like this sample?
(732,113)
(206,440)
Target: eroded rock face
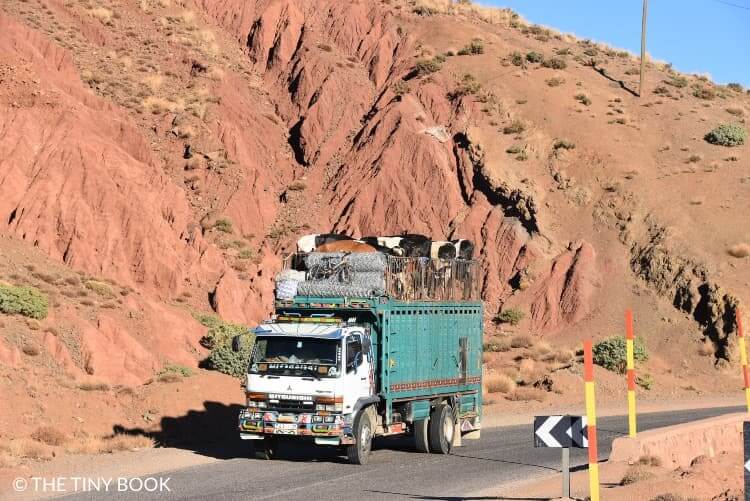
(566,295)
(688,285)
(78,181)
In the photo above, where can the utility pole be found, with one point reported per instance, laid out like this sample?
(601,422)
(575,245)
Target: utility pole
(643,46)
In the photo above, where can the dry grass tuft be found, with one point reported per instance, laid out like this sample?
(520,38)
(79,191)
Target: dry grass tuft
(739,250)
(636,473)
(49,435)
(527,394)
(114,443)
(153,82)
(521,341)
(29,449)
(499,383)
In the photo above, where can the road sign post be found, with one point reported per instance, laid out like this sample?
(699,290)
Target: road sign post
(561,432)
(743,357)
(630,367)
(746,459)
(566,472)
(588,377)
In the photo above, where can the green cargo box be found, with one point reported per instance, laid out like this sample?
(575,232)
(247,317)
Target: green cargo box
(423,349)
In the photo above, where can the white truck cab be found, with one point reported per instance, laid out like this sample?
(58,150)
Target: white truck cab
(308,379)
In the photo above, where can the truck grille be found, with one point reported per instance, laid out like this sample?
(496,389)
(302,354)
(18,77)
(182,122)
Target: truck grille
(292,406)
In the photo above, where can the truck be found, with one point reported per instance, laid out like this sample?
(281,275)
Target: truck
(340,371)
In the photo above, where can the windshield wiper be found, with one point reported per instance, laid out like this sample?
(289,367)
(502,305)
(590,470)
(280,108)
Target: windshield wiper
(314,373)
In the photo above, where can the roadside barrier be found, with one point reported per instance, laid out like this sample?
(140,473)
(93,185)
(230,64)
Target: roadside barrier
(629,340)
(588,377)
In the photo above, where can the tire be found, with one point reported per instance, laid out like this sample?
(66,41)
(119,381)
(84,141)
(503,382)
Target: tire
(265,450)
(441,429)
(421,439)
(359,452)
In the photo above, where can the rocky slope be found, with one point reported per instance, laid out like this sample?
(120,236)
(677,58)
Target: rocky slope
(178,147)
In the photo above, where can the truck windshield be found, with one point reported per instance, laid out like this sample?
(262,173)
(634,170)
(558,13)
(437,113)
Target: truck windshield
(296,357)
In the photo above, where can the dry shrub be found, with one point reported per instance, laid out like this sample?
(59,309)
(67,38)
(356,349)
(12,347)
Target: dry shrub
(49,435)
(158,105)
(649,460)
(563,356)
(541,351)
(102,14)
(636,473)
(527,394)
(170,377)
(499,383)
(93,386)
(521,341)
(739,250)
(30,350)
(153,82)
(29,449)
(497,344)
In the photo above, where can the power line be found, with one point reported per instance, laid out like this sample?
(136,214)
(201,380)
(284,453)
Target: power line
(732,4)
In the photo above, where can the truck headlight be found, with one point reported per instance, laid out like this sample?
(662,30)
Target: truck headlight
(320,407)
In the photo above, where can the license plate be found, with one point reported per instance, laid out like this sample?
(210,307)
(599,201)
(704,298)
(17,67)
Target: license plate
(285,428)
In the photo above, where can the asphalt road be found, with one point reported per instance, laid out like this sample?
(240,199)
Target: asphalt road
(395,471)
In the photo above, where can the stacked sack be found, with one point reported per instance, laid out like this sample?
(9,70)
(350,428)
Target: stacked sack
(367,277)
(287,283)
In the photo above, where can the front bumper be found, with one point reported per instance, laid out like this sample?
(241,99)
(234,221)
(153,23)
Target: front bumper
(258,424)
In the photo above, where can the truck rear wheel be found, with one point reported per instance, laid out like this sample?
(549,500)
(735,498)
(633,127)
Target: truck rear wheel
(441,429)
(421,438)
(359,451)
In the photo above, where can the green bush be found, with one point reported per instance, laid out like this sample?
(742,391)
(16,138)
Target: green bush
(23,300)
(727,135)
(555,63)
(611,353)
(511,316)
(583,99)
(534,57)
(219,340)
(516,59)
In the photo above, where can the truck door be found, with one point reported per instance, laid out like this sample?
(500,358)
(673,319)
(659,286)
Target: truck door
(358,377)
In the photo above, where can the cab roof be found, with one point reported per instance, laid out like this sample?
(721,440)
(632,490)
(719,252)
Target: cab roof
(299,329)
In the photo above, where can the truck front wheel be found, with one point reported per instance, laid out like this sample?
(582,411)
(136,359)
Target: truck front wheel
(441,429)
(266,449)
(359,452)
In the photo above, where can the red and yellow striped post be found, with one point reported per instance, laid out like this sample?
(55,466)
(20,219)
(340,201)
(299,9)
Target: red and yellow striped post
(588,378)
(743,357)
(629,340)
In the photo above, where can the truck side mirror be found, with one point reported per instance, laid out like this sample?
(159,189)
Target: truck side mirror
(237,343)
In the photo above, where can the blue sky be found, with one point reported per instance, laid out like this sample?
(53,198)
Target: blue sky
(696,36)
